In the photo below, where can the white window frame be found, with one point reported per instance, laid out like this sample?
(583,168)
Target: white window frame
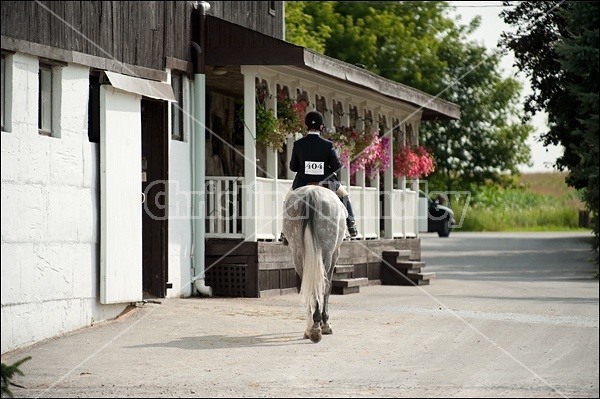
(49,98)
(177,108)
(7,74)
(45,100)
(3,83)
(272,8)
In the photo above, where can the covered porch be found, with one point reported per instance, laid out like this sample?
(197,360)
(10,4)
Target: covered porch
(246,182)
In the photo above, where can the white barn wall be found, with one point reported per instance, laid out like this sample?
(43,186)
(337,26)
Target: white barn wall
(50,240)
(180,204)
(180,224)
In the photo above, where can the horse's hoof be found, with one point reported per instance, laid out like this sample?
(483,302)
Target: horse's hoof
(306,336)
(326,329)
(315,335)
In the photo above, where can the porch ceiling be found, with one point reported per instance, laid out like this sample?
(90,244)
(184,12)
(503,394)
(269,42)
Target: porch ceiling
(232,45)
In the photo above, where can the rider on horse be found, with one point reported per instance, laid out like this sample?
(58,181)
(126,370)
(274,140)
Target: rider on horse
(316,162)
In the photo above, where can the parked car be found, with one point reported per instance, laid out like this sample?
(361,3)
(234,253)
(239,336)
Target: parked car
(440,218)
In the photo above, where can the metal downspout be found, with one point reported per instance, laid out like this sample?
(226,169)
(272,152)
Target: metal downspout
(198,157)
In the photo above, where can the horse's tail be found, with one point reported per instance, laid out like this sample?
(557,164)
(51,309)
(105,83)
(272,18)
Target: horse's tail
(313,273)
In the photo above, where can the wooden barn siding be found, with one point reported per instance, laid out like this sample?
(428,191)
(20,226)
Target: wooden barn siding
(251,14)
(141,33)
(276,270)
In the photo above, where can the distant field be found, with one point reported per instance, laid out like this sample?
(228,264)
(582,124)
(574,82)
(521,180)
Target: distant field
(543,202)
(552,184)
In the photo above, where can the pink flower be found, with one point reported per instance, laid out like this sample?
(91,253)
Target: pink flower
(413,162)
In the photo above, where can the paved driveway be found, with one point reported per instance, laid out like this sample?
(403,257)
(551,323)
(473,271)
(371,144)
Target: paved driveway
(509,315)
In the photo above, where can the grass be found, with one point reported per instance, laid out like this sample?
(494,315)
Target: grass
(542,202)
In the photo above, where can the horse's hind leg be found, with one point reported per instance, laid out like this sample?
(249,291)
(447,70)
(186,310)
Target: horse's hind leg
(313,329)
(325,326)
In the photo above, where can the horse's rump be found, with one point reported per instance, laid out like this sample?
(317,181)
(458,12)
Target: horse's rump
(314,224)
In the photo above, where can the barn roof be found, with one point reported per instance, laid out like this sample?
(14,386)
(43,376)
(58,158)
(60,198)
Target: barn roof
(231,45)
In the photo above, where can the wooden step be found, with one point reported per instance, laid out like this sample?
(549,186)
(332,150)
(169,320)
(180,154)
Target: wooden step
(350,282)
(396,275)
(345,290)
(343,269)
(396,255)
(397,270)
(421,278)
(410,265)
(340,276)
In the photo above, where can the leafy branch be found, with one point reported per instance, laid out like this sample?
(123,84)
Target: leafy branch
(8,373)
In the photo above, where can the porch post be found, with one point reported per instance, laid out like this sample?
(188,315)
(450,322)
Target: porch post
(415,182)
(294,88)
(360,174)
(329,114)
(402,180)
(290,146)
(249,207)
(345,172)
(272,166)
(388,182)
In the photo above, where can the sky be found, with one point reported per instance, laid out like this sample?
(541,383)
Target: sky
(489,33)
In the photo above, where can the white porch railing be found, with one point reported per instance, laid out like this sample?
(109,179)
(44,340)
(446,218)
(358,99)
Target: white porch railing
(224,207)
(270,198)
(404,208)
(366,211)
(225,213)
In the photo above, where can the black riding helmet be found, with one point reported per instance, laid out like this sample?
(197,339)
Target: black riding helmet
(314,120)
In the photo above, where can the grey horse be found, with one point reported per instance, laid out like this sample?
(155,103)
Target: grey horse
(314,223)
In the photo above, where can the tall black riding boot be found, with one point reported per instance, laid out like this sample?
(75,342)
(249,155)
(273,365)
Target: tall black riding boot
(283,239)
(350,221)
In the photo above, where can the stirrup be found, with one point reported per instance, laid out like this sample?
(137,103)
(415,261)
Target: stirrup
(283,240)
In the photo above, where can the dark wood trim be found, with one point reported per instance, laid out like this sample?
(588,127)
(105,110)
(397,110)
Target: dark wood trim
(179,65)
(91,61)
(51,62)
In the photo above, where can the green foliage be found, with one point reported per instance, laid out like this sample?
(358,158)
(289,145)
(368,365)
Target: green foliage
(8,373)
(556,44)
(514,209)
(301,28)
(487,143)
(268,128)
(397,40)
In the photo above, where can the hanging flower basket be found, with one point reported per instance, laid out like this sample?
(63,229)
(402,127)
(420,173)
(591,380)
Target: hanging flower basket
(413,162)
(340,137)
(362,150)
(290,114)
(380,157)
(269,129)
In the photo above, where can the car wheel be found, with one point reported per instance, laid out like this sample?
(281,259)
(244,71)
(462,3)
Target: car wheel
(445,231)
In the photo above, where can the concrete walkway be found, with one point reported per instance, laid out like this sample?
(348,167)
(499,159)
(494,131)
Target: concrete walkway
(508,315)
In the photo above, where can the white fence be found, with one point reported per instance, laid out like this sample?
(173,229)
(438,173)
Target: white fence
(224,207)
(405,213)
(226,213)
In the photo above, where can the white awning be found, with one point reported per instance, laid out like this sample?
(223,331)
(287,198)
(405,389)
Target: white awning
(144,87)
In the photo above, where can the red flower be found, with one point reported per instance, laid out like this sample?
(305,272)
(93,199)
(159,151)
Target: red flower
(413,162)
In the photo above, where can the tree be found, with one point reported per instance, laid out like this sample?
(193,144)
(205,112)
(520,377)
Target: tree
(488,143)
(556,46)
(8,372)
(415,43)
